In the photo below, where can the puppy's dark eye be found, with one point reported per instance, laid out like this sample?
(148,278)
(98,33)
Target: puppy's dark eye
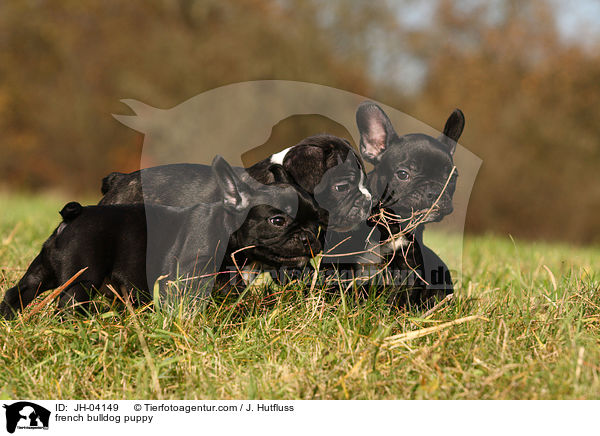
(277,220)
(402,175)
(342,187)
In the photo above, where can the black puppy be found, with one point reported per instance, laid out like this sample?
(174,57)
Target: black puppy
(131,246)
(412,183)
(324,165)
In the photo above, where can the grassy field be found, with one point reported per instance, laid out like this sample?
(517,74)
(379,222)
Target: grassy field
(537,335)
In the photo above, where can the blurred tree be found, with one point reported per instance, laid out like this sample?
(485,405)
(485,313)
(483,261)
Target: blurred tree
(530,97)
(531,103)
(65,65)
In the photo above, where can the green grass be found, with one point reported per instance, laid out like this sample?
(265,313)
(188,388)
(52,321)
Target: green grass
(540,339)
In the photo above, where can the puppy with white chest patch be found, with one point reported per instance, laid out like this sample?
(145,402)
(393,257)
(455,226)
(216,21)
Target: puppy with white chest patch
(412,183)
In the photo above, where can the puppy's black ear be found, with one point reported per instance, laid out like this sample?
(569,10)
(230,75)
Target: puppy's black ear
(352,159)
(375,129)
(280,174)
(71,211)
(452,130)
(235,191)
(109,181)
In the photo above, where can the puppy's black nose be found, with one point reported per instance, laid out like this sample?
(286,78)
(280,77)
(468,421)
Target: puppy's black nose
(312,246)
(305,240)
(432,195)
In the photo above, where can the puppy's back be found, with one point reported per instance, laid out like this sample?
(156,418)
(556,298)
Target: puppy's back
(181,185)
(108,240)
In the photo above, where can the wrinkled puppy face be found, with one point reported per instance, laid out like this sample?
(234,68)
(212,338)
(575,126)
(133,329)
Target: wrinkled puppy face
(329,169)
(282,235)
(416,174)
(278,223)
(342,192)
(412,173)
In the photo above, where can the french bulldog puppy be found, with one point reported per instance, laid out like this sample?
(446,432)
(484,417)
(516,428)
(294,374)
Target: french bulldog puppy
(326,166)
(412,184)
(131,246)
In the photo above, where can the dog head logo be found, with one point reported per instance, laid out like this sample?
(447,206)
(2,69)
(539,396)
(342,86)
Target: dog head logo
(26,415)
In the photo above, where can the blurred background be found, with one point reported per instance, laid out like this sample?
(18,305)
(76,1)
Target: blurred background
(525,73)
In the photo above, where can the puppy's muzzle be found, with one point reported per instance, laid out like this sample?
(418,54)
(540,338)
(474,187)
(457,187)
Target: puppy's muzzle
(309,241)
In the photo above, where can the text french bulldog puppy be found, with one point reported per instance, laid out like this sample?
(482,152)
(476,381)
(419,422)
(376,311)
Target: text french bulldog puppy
(412,173)
(131,246)
(324,165)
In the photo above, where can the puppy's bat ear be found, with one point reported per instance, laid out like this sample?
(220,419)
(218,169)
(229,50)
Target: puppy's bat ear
(375,129)
(280,174)
(235,191)
(71,211)
(452,130)
(352,159)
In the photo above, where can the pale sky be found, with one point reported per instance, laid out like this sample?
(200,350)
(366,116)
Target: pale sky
(578,21)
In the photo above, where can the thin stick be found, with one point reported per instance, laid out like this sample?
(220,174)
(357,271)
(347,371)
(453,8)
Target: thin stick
(441,193)
(54,294)
(236,252)
(398,340)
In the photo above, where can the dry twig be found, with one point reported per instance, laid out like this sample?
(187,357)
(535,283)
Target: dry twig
(54,294)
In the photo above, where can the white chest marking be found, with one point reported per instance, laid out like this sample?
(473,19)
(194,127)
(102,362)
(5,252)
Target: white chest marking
(362,188)
(278,158)
(397,241)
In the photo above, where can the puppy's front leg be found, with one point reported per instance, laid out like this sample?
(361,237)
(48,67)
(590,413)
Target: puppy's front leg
(38,278)
(78,296)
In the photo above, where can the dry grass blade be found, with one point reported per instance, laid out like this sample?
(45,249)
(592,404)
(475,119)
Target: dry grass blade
(317,265)
(434,309)
(236,252)
(54,294)
(11,235)
(142,339)
(290,346)
(552,278)
(397,340)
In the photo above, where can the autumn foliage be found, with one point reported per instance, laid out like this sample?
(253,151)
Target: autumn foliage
(530,97)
